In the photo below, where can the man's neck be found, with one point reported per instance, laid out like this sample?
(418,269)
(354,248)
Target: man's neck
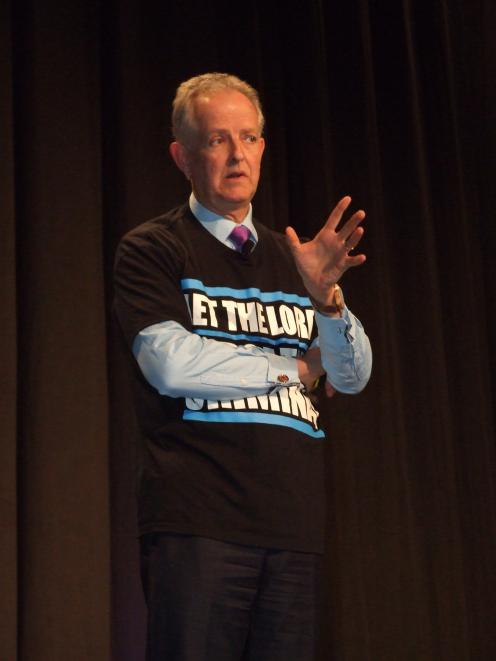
(238,216)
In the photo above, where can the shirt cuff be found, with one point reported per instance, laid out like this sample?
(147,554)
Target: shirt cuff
(337,331)
(282,370)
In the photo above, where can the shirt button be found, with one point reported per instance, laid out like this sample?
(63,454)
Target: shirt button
(283,378)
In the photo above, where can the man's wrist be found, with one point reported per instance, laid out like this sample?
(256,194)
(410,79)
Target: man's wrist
(335,307)
(308,378)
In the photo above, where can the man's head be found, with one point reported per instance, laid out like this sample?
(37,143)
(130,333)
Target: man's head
(183,116)
(217,121)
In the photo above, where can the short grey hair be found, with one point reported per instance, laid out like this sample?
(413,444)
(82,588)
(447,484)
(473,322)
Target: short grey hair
(204,85)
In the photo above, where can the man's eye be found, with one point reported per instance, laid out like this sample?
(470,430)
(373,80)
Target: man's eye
(251,138)
(215,141)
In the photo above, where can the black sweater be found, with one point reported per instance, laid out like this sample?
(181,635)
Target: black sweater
(250,470)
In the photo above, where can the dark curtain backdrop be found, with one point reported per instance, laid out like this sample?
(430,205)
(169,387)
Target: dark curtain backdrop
(391,102)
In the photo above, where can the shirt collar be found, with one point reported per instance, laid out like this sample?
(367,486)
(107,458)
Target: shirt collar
(216,224)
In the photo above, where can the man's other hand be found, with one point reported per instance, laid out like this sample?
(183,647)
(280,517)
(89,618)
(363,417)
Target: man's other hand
(310,368)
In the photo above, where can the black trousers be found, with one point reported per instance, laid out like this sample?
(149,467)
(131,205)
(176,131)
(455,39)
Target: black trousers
(214,601)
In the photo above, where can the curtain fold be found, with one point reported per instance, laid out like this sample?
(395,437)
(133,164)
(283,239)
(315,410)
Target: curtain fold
(392,103)
(8,358)
(62,442)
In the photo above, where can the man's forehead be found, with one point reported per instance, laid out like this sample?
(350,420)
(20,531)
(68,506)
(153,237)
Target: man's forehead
(223,95)
(222,103)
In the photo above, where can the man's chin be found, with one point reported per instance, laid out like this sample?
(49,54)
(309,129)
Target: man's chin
(227,203)
(236,198)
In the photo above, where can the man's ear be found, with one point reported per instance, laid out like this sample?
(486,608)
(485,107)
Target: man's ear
(180,157)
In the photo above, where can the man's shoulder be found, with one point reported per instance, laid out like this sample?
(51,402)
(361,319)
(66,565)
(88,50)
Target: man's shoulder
(168,223)
(158,238)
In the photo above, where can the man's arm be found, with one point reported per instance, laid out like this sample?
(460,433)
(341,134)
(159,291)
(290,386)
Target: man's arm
(179,363)
(152,313)
(346,354)
(345,348)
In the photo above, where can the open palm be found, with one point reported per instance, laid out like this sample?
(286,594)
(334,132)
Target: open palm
(322,261)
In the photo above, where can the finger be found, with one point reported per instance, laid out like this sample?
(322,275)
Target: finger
(355,260)
(292,239)
(337,213)
(350,225)
(354,239)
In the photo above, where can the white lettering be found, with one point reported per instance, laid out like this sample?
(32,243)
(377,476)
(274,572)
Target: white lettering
(274,327)
(200,304)
(289,400)
(300,322)
(213,317)
(288,320)
(310,312)
(274,402)
(312,414)
(298,404)
(230,307)
(199,308)
(284,399)
(243,315)
(194,404)
(261,318)
(252,316)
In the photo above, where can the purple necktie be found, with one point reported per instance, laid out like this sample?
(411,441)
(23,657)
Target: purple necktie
(239,236)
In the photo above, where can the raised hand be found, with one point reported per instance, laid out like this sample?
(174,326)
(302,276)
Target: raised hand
(322,261)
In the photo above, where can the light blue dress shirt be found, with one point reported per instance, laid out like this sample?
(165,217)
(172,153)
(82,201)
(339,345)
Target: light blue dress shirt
(179,363)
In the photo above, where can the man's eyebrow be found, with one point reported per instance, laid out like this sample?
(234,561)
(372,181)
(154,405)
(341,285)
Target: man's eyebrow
(217,131)
(243,131)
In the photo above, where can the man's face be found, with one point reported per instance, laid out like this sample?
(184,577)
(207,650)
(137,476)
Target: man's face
(223,157)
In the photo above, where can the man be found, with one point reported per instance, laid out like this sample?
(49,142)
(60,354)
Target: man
(220,315)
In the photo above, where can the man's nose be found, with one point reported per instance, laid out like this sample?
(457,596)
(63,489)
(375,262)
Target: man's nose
(237,152)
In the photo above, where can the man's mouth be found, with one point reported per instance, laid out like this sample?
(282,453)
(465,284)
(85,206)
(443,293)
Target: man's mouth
(235,175)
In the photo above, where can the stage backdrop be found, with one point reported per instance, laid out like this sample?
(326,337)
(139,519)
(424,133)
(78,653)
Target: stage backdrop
(390,102)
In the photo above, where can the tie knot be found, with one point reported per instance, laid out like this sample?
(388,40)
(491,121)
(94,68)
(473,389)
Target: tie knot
(239,236)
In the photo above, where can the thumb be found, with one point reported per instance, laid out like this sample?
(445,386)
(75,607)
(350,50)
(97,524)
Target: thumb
(293,240)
